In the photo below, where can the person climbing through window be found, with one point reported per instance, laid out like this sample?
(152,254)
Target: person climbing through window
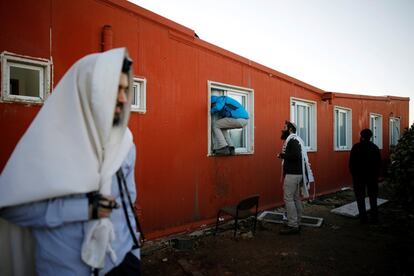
(230,114)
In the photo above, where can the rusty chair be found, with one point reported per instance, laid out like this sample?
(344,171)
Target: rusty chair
(240,211)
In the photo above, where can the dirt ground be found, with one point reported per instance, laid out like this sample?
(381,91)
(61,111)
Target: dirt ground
(341,246)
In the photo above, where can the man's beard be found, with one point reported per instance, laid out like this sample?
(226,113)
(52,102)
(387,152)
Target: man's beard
(116,121)
(285,134)
(118,116)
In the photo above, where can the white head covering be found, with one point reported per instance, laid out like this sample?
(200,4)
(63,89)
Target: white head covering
(72,146)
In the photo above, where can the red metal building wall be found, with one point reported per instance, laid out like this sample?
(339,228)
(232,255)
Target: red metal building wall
(179,186)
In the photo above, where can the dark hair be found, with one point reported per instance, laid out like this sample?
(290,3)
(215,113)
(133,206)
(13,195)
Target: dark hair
(366,134)
(126,65)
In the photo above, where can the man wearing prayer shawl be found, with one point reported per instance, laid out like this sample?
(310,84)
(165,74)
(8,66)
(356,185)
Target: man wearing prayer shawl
(73,168)
(297,177)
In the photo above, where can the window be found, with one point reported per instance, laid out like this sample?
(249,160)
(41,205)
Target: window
(139,90)
(342,128)
(303,114)
(242,138)
(394,131)
(23,79)
(376,127)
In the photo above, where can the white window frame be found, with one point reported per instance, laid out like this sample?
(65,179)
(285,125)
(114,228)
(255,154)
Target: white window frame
(375,124)
(347,112)
(312,120)
(392,122)
(249,128)
(140,96)
(43,66)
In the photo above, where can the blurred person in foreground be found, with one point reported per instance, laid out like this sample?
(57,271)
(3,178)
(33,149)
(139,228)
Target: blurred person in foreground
(74,168)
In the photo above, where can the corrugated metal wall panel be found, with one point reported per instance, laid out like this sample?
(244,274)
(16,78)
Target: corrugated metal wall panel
(179,185)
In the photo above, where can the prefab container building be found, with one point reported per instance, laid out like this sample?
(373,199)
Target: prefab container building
(181,183)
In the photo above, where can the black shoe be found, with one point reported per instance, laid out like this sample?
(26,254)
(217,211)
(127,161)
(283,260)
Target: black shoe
(232,151)
(289,230)
(222,151)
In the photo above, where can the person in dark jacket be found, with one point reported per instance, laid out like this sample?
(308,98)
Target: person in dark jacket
(297,175)
(231,114)
(365,166)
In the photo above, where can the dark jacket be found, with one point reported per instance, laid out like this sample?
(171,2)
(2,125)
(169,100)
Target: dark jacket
(292,158)
(365,161)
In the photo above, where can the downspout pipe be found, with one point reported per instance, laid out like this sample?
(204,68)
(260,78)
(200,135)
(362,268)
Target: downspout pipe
(107,38)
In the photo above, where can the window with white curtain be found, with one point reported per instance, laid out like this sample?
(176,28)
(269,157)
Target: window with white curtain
(303,114)
(342,128)
(376,128)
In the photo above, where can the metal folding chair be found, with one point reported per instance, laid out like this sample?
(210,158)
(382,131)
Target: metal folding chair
(240,211)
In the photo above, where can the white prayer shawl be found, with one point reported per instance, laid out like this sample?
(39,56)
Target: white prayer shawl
(100,234)
(71,147)
(306,169)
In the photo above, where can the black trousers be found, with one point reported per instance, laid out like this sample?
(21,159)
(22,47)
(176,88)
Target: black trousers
(360,188)
(129,266)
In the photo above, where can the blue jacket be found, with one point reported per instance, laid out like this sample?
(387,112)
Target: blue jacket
(228,107)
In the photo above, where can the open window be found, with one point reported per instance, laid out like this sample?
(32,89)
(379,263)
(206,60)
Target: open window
(242,138)
(139,90)
(23,79)
(375,124)
(342,128)
(303,114)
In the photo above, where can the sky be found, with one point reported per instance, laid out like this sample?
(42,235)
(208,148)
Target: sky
(351,46)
